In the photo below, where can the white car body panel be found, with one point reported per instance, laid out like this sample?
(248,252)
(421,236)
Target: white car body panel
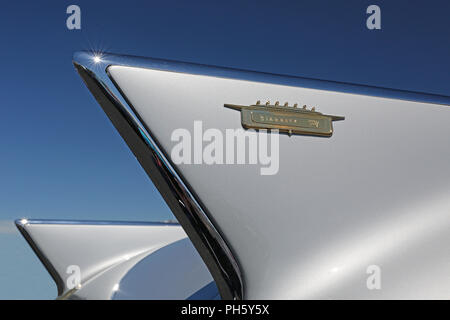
(375,193)
(112,256)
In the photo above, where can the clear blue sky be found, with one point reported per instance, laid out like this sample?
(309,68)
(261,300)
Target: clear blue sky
(61,158)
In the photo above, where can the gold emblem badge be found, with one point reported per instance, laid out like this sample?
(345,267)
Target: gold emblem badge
(289,119)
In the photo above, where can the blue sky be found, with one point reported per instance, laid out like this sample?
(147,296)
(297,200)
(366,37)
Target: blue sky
(61,158)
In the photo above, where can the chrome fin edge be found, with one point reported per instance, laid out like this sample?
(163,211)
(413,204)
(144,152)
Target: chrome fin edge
(176,192)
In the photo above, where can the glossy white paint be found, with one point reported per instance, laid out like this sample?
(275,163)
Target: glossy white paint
(175,271)
(374,193)
(110,257)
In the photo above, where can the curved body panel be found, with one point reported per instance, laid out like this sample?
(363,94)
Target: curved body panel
(117,260)
(373,194)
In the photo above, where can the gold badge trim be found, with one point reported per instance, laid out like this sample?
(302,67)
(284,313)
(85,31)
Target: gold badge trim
(289,119)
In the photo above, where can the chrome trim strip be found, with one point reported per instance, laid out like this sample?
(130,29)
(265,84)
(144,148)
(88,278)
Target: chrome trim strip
(175,191)
(222,72)
(97,222)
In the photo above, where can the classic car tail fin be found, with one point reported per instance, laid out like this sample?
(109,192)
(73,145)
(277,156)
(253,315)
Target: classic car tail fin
(116,260)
